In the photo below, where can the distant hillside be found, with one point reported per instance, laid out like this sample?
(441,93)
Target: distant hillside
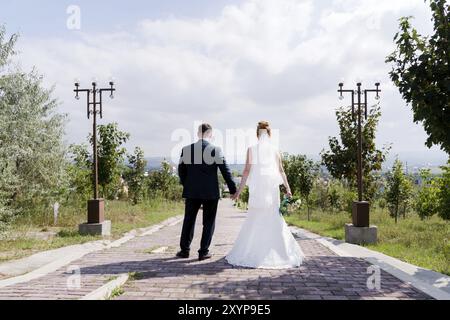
(154,163)
(414,161)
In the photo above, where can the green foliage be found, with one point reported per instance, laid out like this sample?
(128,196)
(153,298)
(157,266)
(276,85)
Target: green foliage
(6,47)
(116,292)
(7,214)
(340,197)
(159,184)
(164,183)
(80,172)
(301,173)
(444,193)
(334,195)
(341,159)
(110,158)
(8,182)
(421,73)
(319,195)
(398,189)
(110,163)
(245,195)
(427,201)
(135,176)
(32,152)
(289,205)
(382,203)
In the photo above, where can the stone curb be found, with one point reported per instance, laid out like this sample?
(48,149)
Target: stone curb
(104,292)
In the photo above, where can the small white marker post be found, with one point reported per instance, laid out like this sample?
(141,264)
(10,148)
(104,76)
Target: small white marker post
(55,213)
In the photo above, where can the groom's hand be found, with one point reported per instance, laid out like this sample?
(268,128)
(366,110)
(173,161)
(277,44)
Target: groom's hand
(235,196)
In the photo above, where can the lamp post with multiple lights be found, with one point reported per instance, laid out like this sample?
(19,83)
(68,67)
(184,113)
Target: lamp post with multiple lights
(96,211)
(360,213)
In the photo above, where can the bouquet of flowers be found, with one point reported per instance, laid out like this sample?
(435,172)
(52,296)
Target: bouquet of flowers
(289,204)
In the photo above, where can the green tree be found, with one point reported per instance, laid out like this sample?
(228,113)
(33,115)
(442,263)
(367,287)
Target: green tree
(301,173)
(80,172)
(398,190)
(164,183)
(427,200)
(320,195)
(8,180)
(32,151)
(341,159)
(444,193)
(421,73)
(110,157)
(334,196)
(135,175)
(6,48)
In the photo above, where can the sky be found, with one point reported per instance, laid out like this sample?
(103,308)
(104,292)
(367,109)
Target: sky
(230,63)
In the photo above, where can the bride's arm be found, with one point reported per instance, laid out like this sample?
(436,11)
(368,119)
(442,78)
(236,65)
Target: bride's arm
(283,175)
(248,166)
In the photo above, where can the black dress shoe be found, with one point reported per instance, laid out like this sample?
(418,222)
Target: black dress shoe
(183,255)
(202,257)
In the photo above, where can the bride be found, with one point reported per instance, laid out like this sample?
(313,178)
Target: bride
(264,240)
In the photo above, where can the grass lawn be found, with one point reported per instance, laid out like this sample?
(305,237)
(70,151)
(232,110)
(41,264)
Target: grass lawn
(29,235)
(422,243)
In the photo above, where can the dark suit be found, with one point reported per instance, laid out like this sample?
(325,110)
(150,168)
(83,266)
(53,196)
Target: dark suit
(198,175)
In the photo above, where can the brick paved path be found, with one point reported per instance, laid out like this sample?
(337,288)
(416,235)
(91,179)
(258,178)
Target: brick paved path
(323,274)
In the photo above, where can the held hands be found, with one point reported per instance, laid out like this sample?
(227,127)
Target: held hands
(289,194)
(236,196)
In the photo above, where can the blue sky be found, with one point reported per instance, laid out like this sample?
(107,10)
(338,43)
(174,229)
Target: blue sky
(231,63)
(48,17)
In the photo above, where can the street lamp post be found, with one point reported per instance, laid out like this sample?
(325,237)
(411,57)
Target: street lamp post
(96,223)
(360,213)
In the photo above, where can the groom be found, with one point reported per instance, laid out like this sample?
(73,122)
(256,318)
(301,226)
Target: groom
(198,175)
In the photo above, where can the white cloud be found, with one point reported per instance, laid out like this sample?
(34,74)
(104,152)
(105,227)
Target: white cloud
(265,59)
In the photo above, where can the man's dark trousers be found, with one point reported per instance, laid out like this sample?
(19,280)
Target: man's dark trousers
(209,221)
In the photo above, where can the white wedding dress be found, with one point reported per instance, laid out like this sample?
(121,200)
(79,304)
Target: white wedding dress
(265,240)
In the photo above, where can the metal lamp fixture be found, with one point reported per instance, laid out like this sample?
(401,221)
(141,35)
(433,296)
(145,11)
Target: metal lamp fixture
(95,107)
(361,208)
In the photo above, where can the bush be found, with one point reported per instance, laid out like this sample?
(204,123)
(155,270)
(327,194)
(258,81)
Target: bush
(32,150)
(382,203)
(349,196)
(341,197)
(164,183)
(398,190)
(245,195)
(444,193)
(7,215)
(427,200)
(320,196)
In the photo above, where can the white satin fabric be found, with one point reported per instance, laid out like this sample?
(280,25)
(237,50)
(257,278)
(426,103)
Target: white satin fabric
(265,240)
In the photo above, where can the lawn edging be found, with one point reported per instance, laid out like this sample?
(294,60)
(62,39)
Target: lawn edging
(105,291)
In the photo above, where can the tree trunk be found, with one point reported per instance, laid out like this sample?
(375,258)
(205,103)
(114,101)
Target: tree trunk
(307,207)
(396,213)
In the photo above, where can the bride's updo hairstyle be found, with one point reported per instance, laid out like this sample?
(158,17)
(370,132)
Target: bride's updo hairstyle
(263,125)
